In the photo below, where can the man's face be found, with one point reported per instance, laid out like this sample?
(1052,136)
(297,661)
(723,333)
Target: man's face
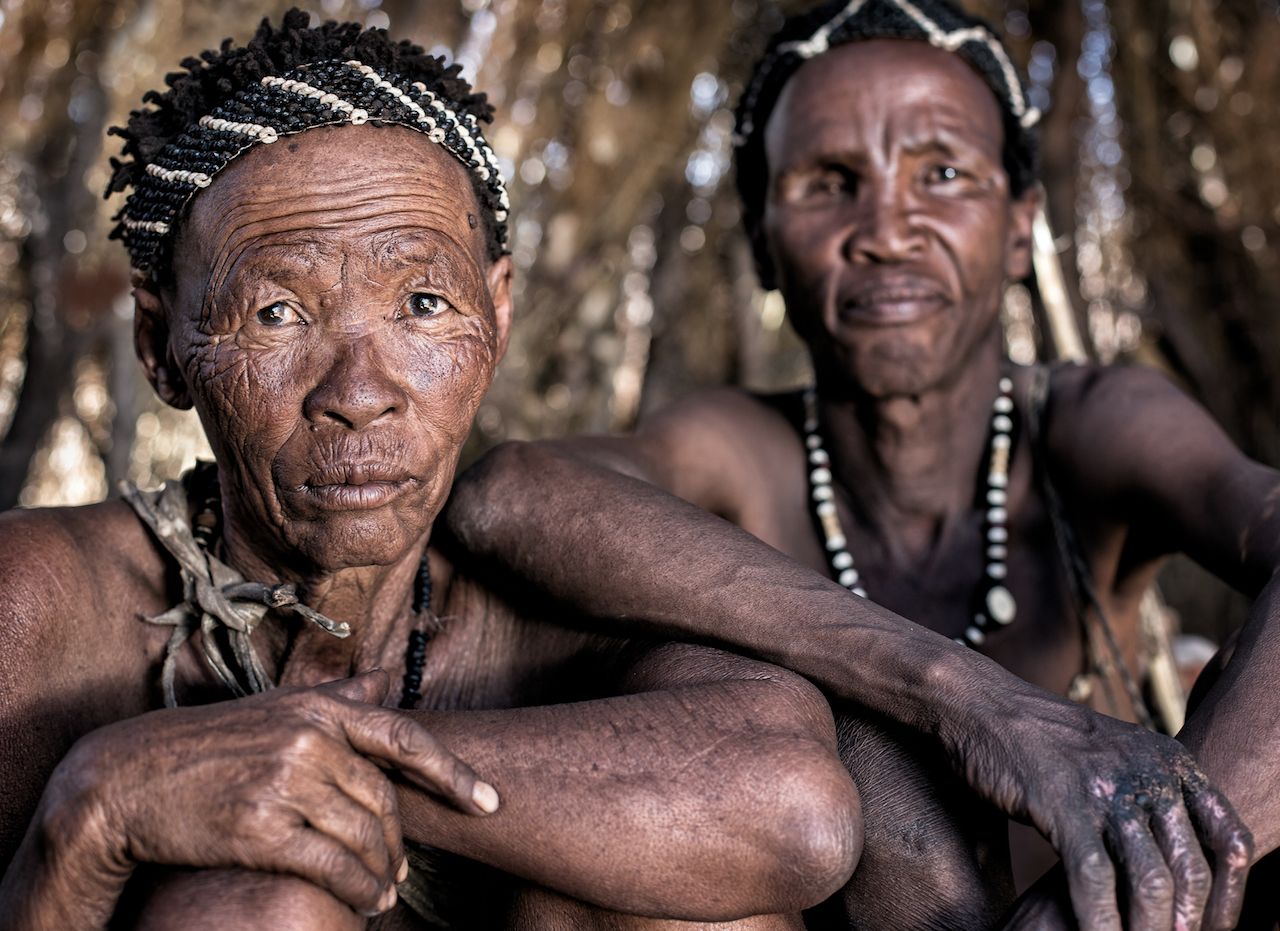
(336,322)
(888,216)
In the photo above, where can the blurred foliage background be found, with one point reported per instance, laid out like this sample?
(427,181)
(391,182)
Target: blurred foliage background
(635,283)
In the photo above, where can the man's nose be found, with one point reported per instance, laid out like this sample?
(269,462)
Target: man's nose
(885,229)
(357,389)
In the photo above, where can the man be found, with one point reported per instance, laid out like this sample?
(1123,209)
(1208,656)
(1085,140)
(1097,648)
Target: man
(332,298)
(885,162)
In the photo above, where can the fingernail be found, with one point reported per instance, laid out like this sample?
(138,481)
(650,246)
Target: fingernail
(403,872)
(388,901)
(485,797)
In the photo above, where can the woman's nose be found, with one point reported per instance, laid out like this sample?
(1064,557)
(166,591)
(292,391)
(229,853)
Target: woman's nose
(357,389)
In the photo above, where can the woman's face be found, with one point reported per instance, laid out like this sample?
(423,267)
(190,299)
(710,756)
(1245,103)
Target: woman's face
(335,321)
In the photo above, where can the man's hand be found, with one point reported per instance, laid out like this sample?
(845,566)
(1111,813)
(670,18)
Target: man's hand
(1129,812)
(280,782)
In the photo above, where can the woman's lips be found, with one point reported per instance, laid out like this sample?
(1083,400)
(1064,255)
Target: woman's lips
(356,486)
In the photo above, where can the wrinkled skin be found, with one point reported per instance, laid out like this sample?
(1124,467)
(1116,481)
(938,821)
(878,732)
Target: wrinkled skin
(891,229)
(334,318)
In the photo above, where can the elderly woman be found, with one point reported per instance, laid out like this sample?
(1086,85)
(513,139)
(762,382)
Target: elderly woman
(319,231)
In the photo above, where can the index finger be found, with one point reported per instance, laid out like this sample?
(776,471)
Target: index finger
(395,739)
(1229,846)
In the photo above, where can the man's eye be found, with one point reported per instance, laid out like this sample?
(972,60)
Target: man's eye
(941,173)
(277,314)
(829,182)
(427,305)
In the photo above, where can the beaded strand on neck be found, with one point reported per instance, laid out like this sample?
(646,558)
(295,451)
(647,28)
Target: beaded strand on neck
(415,656)
(996,606)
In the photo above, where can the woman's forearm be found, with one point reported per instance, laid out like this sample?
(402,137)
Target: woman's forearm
(69,870)
(702,803)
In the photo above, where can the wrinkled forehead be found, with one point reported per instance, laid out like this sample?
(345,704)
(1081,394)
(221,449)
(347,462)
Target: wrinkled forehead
(336,189)
(881,91)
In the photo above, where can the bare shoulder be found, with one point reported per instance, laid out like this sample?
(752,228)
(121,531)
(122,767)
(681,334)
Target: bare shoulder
(1116,427)
(723,448)
(730,415)
(61,565)
(73,585)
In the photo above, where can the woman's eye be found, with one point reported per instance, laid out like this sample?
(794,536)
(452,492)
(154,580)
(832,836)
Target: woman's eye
(427,305)
(277,314)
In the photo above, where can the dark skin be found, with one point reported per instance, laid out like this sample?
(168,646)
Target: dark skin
(892,231)
(335,321)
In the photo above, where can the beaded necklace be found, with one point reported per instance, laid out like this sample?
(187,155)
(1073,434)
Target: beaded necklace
(996,607)
(205,529)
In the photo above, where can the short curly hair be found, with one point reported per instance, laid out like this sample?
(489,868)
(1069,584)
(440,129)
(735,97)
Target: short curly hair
(177,120)
(840,22)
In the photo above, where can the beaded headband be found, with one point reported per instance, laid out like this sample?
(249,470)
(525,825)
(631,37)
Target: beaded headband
(326,93)
(1011,94)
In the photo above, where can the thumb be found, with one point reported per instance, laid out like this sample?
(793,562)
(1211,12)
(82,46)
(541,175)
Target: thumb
(369,687)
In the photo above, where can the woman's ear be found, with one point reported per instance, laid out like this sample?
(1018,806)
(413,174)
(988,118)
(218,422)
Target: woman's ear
(499,281)
(151,342)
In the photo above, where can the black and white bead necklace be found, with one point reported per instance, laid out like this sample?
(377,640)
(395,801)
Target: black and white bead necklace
(996,606)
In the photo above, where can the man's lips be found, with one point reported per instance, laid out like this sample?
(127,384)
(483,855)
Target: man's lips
(891,304)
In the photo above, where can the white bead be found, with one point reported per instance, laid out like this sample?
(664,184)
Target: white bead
(819,457)
(1003,405)
(997,534)
(997,551)
(810,425)
(997,480)
(975,636)
(849,578)
(1001,605)
(820,476)
(500,216)
(859,591)
(823,493)
(997,570)
(842,560)
(825,508)
(837,542)
(997,516)
(1002,423)
(359,117)
(1001,441)
(997,497)
(1005,385)
(813,442)
(436,135)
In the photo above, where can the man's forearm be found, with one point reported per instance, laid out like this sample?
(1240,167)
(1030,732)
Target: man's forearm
(699,803)
(1235,731)
(653,563)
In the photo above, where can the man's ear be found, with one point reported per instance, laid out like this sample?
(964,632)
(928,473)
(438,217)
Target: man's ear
(499,279)
(151,342)
(1017,247)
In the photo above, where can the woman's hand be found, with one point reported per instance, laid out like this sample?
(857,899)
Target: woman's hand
(287,781)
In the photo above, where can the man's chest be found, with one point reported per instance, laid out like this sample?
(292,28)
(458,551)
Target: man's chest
(945,585)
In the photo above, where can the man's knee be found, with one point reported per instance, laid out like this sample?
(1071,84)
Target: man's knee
(219,899)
